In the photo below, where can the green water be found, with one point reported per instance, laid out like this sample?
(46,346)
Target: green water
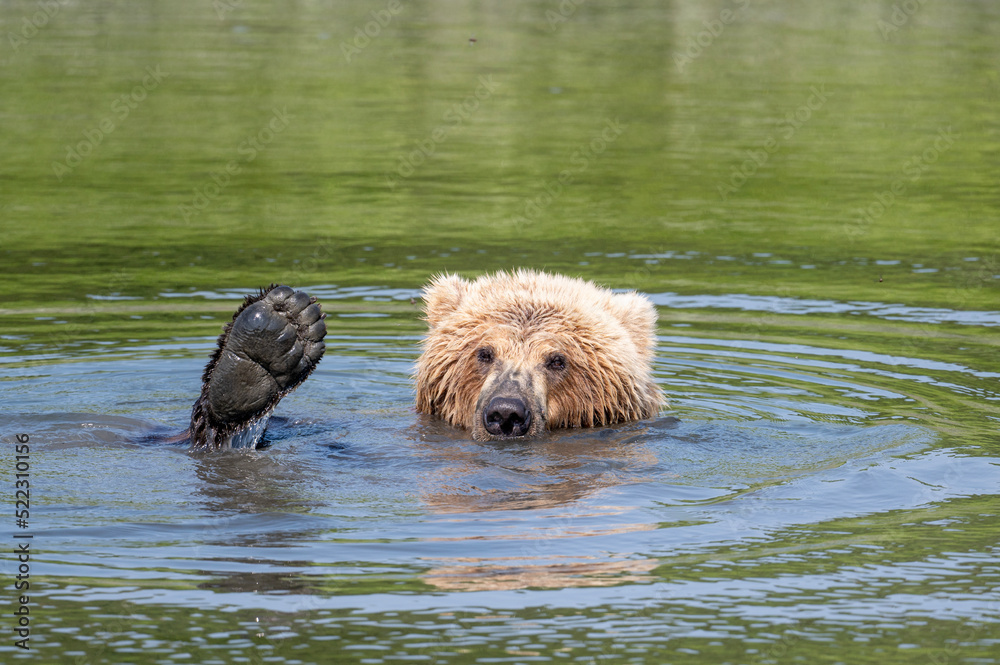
(327,185)
(159,158)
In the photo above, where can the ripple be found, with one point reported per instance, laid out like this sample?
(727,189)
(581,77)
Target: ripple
(732,301)
(785,470)
(785,305)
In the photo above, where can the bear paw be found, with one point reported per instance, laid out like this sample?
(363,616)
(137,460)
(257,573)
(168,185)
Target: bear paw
(273,343)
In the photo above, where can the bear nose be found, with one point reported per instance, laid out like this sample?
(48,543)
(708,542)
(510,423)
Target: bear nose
(507,416)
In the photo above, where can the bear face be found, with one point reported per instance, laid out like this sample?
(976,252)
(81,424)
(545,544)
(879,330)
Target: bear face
(513,354)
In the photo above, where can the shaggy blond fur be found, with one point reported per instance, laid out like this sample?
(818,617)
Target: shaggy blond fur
(524,319)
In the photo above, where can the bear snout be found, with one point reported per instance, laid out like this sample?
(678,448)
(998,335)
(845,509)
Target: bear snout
(507,417)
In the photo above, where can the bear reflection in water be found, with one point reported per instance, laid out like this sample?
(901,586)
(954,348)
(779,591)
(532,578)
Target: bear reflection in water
(507,356)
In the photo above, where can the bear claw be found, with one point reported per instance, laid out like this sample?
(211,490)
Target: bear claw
(273,343)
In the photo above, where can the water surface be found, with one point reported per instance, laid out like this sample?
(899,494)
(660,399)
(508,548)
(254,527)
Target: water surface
(808,195)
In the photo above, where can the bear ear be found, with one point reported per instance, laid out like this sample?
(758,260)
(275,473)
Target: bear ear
(638,316)
(442,296)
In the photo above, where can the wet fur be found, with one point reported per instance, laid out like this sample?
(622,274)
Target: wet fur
(208,432)
(607,340)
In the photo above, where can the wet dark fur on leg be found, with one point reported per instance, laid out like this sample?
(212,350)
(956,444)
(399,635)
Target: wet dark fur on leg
(249,373)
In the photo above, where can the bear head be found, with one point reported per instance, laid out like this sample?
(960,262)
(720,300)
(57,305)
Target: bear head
(513,354)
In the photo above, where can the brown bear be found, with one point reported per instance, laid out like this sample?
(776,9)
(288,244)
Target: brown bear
(508,355)
(513,354)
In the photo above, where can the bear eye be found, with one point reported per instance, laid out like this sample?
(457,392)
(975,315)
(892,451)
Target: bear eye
(556,362)
(485,355)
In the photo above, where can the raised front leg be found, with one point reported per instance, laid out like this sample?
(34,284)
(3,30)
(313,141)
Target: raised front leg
(273,343)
